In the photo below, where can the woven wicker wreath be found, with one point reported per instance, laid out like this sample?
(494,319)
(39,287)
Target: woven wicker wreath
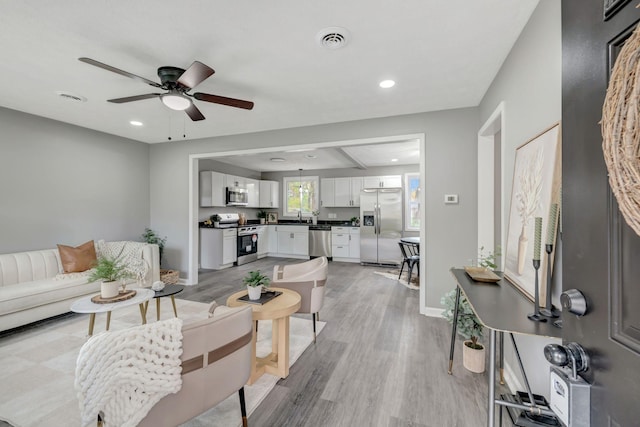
(621,130)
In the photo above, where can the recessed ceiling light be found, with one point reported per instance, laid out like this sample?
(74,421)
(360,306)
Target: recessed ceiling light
(394,160)
(386,84)
(277,159)
(135,123)
(311,156)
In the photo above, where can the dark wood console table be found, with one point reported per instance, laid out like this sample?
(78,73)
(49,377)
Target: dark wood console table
(501,308)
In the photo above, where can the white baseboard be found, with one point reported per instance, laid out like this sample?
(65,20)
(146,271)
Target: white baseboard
(511,380)
(432,311)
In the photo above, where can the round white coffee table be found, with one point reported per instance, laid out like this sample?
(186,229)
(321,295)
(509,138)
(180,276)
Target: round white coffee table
(85,305)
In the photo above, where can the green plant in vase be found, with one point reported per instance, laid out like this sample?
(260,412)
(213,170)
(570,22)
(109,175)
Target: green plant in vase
(111,271)
(468,327)
(262,216)
(150,236)
(488,260)
(255,281)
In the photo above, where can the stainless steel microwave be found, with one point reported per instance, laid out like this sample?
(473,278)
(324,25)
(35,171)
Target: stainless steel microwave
(237,196)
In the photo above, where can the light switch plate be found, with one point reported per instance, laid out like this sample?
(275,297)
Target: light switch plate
(451,199)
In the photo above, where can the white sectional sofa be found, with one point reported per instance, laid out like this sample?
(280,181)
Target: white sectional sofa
(33,286)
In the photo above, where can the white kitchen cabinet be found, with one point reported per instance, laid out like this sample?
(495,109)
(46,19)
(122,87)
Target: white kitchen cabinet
(212,189)
(236,181)
(327,192)
(253,190)
(292,241)
(263,240)
(218,247)
(387,181)
(269,194)
(345,244)
(340,192)
(272,239)
(357,184)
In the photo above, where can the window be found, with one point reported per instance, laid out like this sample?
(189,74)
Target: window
(300,195)
(412,186)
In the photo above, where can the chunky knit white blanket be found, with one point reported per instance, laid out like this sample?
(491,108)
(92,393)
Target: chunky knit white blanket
(124,373)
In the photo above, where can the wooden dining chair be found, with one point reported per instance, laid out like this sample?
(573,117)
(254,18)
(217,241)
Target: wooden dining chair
(410,258)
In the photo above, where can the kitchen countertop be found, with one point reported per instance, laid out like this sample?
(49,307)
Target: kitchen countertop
(322,225)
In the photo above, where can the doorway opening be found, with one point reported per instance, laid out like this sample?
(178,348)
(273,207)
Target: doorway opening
(491,183)
(192,274)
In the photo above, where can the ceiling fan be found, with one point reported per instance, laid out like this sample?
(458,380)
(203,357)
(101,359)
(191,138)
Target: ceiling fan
(177,82)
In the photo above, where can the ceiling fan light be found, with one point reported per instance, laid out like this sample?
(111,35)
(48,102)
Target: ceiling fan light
(176,102)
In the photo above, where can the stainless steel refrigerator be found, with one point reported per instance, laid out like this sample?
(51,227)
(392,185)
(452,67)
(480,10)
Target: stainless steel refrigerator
(380,225)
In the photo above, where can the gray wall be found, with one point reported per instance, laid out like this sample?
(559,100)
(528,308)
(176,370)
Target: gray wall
(66,184)
(530,84)
(449,154)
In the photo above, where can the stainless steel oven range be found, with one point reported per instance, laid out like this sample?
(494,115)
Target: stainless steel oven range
(247,244)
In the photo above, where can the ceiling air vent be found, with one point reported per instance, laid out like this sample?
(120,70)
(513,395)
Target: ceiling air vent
(71,97)
(333,37)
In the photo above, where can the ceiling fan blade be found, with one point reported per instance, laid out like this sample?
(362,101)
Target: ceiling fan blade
(194,113)
(118,71)
(134,98)
(216,99)
(195,74)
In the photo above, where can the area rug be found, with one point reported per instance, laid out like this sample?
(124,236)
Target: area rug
(38,367)
(393,275)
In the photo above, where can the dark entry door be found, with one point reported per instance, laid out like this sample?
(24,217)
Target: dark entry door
(601,253)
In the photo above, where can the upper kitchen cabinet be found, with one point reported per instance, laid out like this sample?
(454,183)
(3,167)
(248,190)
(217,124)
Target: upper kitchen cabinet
(269,194)
(327,192)
(253,188)
(212,189)
(340,192)
(236,181)
(388,181)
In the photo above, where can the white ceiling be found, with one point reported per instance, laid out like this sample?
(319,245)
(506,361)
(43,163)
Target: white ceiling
(395,153)
(442,54)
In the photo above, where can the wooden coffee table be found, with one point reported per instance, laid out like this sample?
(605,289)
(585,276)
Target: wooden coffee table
(85,305)
(278,311)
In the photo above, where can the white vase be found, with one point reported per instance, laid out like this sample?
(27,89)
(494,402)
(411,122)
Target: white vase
(314,220)
(523,241)
(262,221)
(254,292)
(473,359)
(109,289)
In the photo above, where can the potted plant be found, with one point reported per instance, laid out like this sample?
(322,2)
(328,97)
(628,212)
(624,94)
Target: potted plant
(111,271)
(469,327)
(255,281)
(489,260)
(355,220)
(314,217)
(262,215)
(216,220)
(150,236)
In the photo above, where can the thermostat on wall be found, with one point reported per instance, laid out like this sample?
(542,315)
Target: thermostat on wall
(450,199)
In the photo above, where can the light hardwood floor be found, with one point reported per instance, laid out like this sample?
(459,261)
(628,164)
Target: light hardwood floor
(378,362)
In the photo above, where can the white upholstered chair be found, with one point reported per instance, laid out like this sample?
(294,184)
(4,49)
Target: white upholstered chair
(216,362)
(308,279)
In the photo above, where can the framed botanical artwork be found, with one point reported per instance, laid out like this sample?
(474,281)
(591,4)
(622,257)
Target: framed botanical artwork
(412,201)
(536,186)
(272,217)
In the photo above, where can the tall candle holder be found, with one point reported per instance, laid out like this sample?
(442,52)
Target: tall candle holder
(549,310)
(536,316)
